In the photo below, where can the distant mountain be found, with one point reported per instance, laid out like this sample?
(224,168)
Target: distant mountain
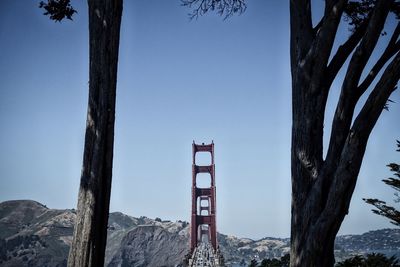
(386,241)
(33,235)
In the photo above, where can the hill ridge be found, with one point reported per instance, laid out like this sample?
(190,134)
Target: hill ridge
(31,234)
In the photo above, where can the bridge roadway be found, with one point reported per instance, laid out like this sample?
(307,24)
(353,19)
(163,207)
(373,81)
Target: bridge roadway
(204,256)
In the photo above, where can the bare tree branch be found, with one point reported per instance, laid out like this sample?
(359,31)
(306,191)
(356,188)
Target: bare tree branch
(348,99)
(350,160)
(349,95)
(376,101)
(324,40)
(224,8)
(356,141)
(344,52)
(367,45)
(392,48)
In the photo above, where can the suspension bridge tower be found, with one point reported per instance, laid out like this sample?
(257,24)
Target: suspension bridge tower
(203,219)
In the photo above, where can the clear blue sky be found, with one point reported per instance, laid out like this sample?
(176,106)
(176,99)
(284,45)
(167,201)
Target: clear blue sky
(178,81)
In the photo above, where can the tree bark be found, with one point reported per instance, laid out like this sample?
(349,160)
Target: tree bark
(90,232)
(322,188)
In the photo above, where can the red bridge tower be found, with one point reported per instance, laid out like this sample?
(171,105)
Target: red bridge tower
(203,199)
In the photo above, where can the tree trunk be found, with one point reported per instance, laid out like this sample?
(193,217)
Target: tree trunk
(322,188)
(90,232)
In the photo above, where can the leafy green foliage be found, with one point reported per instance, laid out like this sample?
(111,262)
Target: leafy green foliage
(57,9)
(382,208)
(371,260)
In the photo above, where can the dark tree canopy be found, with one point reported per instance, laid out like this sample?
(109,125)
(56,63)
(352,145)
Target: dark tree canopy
(382,208)
(370,260)
(284,261)
(58,9)
(253,263)
(357,13)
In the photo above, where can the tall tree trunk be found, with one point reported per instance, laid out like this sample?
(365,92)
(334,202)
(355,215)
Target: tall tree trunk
(322,188)
(90,233)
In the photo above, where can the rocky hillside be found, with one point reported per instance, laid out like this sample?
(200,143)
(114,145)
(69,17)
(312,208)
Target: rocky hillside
(242,250)
(33,235)
(145,242)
